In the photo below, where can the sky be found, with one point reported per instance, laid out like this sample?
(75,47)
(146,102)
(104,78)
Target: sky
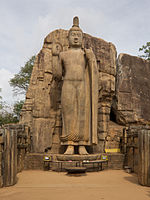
(25,23)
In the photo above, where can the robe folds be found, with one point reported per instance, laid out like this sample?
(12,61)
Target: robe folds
(79,101)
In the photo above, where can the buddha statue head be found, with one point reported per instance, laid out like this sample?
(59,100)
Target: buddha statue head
(75,34)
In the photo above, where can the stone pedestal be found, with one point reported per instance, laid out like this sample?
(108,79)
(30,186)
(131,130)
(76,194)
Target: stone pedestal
(35,161)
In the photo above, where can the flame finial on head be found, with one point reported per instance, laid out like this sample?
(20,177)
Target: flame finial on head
(75,26)
(75,22)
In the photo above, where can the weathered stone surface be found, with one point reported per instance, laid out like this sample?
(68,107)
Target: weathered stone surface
(43,95)
(79,94)
(144,158)
(15,143)
(137,155)
(35,161)
(115,133)
(8,158)
(132,89)
(42,128)
(76,157)
(1,149)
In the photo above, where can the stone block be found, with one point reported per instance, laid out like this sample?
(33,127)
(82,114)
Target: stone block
(43,130)
(102,136)
(1,140)
(1,181)
(106,83)
(102,127)
(125,117)
(132,89)
(125,102)
(104,109)
(0,157)
(103,118)
(1,148)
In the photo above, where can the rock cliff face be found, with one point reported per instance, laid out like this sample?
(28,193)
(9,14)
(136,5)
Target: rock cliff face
(42,108)
(132,90)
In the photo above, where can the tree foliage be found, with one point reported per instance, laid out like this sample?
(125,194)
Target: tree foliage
(20,81)
(17,108)
(146,51)
(1,102)
(7,118)
(7,115)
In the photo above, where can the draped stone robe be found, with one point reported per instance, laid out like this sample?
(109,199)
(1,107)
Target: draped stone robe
(79,100)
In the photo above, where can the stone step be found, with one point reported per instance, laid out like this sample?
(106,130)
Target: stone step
(35,160)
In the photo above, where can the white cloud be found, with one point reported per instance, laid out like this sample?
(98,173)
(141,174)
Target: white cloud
(7,93)
(25,24)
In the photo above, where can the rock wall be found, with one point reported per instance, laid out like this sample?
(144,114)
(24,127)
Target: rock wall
(131,147)
(8,157)
(114,137)
(1,151)
(42,108)
(132,90)
(137,154)
(144,157)
(14,144)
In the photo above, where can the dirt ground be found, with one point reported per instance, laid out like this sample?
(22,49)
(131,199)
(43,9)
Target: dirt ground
(47,185)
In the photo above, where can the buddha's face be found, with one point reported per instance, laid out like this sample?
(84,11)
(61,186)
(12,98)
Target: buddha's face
(75,38)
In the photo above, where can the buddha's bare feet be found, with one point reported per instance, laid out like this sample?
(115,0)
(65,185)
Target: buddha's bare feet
(69,150)
(82,150)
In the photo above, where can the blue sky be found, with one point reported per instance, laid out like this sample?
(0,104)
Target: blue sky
(25,23)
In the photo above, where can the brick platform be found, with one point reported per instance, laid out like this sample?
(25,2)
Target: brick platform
(35,160)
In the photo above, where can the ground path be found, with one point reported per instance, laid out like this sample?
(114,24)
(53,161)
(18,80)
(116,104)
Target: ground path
(47,185)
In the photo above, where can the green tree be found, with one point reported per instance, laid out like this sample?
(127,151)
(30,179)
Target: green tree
(146,51)
(6,115)
(17,108)
(7,118)
(20,81)
(1,102)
